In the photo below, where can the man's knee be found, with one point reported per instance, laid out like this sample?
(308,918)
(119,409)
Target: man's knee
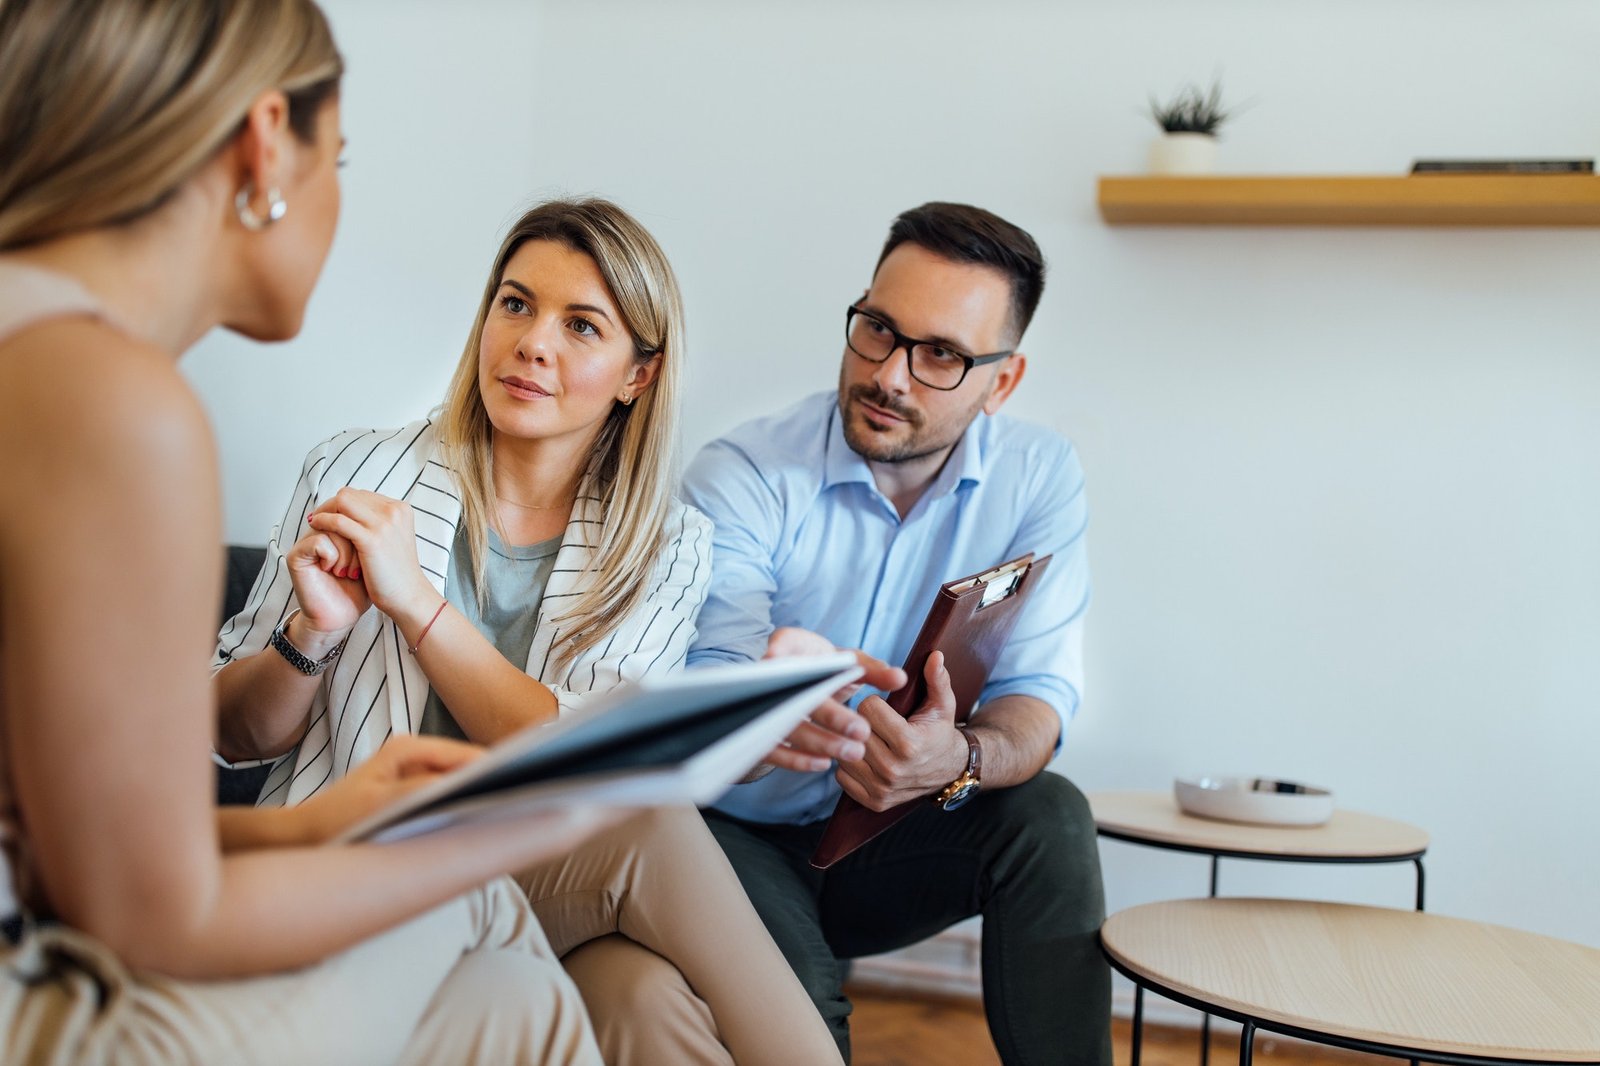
(1044,832)
(1049,810)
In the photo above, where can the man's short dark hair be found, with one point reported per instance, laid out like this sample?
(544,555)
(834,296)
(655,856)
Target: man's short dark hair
(966,234)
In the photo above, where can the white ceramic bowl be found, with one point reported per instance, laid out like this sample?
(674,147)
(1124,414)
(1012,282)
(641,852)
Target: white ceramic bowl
(1260,800)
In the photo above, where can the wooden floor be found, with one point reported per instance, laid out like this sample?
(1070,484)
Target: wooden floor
(893,1031)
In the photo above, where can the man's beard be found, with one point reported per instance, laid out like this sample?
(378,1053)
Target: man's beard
(868,445)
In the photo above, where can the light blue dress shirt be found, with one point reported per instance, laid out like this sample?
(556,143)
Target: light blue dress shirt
(804,538)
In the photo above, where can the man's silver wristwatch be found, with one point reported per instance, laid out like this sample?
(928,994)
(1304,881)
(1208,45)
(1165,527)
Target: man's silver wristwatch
(297,659)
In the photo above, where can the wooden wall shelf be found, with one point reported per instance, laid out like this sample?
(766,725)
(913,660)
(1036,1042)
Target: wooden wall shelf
(1414,200)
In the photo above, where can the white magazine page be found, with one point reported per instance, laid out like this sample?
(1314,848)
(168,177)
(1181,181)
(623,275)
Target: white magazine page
(628,711)
(641,789)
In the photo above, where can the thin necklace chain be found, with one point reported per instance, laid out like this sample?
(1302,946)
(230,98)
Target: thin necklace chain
(535,506)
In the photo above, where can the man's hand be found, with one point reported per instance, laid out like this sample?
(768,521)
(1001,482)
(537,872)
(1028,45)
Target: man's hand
(833,731)
(907,757)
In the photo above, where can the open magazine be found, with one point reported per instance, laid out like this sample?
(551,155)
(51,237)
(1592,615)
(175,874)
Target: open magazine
(682,738)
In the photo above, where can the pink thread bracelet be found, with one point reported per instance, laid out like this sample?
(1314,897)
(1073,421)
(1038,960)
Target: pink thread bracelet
(424,634)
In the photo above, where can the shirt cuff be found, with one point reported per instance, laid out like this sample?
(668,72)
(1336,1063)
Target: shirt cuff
(242,764)
(1058,695)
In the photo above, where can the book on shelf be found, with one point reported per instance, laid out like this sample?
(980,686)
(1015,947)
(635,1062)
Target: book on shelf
(684,738)
(1503,166)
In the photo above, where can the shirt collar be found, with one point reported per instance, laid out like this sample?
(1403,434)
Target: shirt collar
(966,461)
(843,464)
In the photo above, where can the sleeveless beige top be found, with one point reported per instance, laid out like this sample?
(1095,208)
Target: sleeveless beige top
(28,296)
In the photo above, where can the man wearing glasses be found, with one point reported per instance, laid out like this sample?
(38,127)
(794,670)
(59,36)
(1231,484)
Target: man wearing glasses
(836,521)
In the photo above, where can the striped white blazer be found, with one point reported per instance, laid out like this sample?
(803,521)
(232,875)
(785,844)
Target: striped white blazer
(376,688)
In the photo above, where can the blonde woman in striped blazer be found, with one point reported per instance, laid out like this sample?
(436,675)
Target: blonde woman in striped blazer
(487,569)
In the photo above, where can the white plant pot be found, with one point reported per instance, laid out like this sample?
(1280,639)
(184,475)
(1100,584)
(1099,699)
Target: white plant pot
(1183,153)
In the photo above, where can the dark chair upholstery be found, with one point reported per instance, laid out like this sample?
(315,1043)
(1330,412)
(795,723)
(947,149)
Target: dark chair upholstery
(240,786)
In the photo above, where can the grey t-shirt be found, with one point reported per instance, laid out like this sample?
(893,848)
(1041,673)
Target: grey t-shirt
(510,611)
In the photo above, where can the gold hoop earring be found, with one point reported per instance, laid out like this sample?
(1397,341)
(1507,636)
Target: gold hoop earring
(627,401)
(276,208)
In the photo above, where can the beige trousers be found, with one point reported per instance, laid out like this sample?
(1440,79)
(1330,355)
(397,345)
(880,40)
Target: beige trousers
(438,989)
(693,978)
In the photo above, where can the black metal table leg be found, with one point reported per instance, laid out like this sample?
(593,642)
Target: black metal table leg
(1138,1021)
(1205,1019)
(1245,1049)
(1247,1043)
(1421,882)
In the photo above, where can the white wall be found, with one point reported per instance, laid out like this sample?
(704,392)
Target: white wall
(1345,483)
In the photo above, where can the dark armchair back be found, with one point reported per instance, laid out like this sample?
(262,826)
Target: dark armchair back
(240,786)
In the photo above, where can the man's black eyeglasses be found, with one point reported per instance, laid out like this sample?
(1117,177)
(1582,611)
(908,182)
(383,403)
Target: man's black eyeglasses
(937,366)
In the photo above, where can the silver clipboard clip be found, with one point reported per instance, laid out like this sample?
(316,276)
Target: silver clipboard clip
(998,583)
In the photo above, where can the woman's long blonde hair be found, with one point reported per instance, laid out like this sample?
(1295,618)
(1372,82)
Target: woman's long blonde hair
(108,106)
(635,457)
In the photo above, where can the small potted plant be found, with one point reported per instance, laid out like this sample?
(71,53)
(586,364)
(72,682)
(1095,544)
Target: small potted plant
(1189,124)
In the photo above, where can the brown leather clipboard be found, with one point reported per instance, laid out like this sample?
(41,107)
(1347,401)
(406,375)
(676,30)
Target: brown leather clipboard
(970,621)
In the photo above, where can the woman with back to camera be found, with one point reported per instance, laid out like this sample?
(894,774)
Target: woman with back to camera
(169,166)
(487,568)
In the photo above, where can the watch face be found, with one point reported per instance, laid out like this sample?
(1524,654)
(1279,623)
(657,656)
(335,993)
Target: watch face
(960,795)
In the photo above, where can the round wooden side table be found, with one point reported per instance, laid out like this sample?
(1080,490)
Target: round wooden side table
(1388,982)
(1154,819)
